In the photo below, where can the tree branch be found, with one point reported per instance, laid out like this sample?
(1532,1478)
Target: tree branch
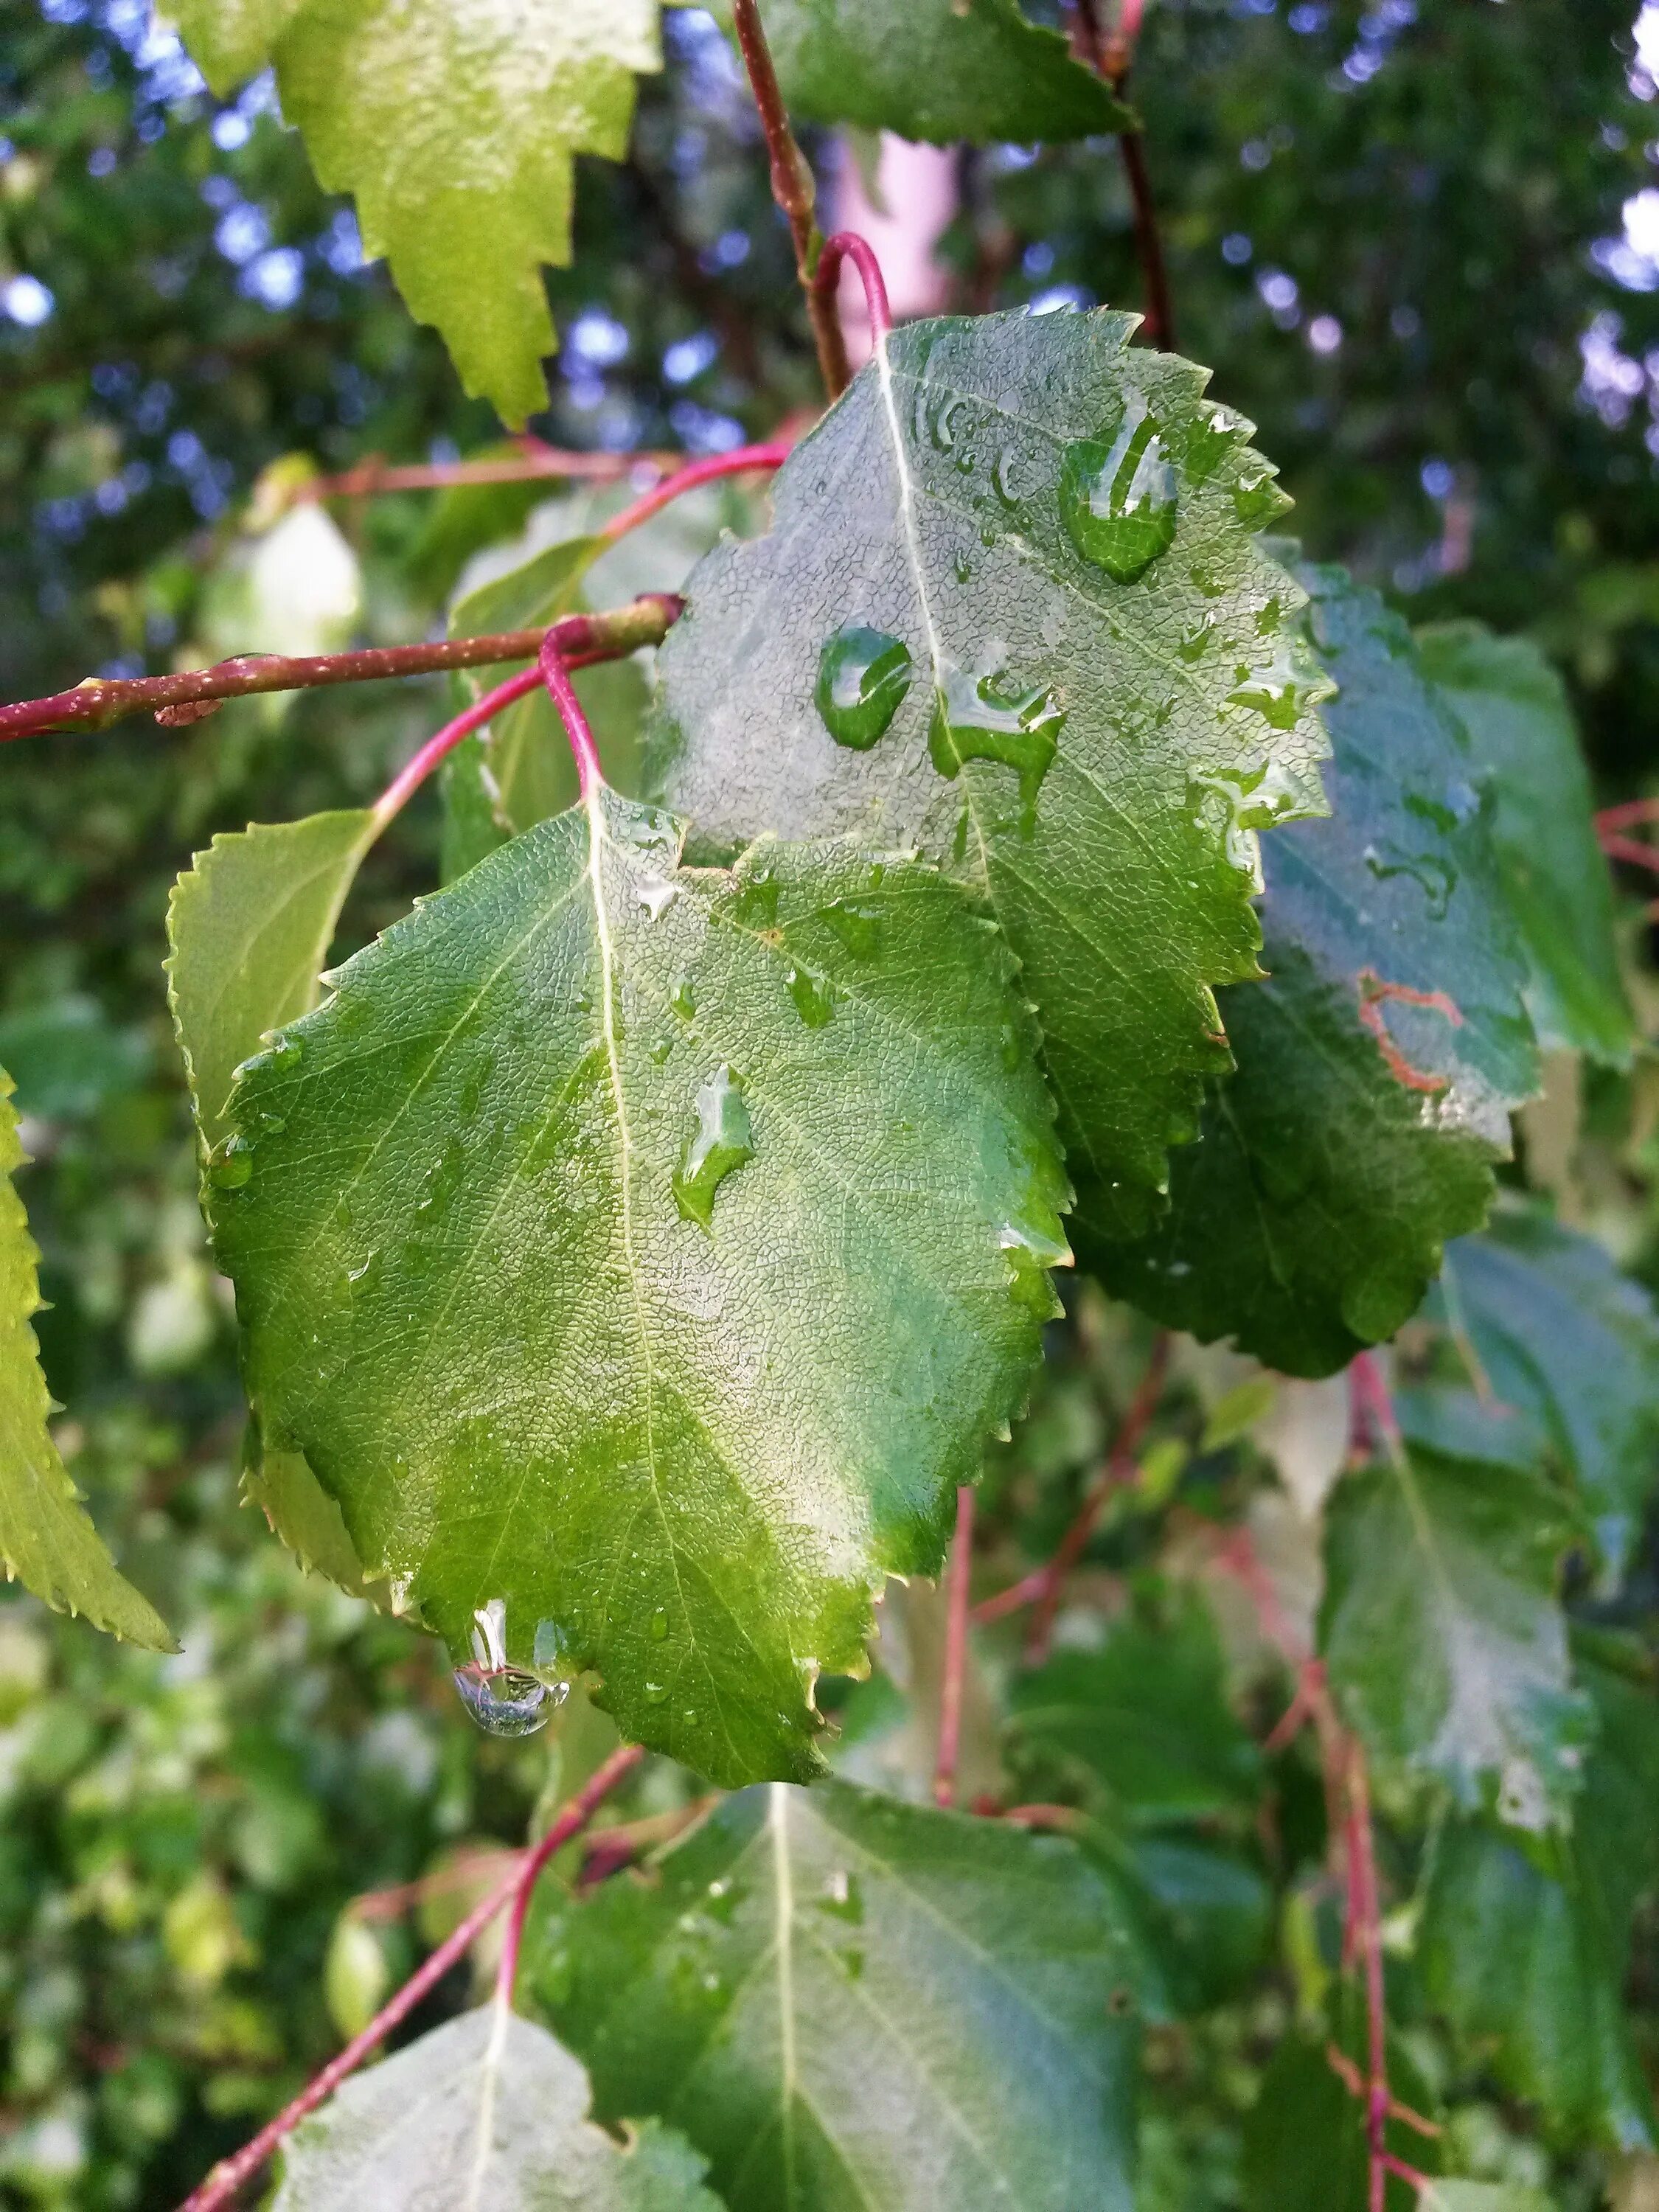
(1109,57)
(99,702)
(228,2177)
(955,1650)
(793,190)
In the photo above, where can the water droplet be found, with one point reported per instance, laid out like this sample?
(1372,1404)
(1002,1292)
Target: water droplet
(659,1626)
(945,435)
(723,1139)
(1194,643)
(553,1648)
(984,718)
(683,998)
(962,566)
(815,1000)
(863,676)
(363,1278)
(757,904)
(1214,435)
(1008,1046)
(1435,875)
(858,925)
(655,895)
(656,1693)
(1030,1254)
(1118,501)
(646,828)
(842,1898)
(231,1164)
(1282,690)
(504,1702)
(1003,477)
(964,461)
(343,1213)
(1269,617)
(659,1049)
(849,1957)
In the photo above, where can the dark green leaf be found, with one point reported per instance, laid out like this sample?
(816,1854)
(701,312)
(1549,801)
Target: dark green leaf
(640,1255)
(47,1540)
(1515,707)
(1091,755)
(485,2112)
(1377,1068)
(854,2005)
(1444,1642)
(1304,2142)
(1570,1342)
(933,69)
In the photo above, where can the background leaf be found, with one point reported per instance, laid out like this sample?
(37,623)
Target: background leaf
(486,2110)
(1377,1065)
(846,2002)
(1514,706)
(455,124)
(727,1200)
(1441,1629)
(1091,756)
(46,1537)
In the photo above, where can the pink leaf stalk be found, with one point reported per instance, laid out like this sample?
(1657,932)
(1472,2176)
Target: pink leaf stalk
(848,246)
(556,674)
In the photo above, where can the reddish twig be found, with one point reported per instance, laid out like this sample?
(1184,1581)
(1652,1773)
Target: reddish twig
(1630,849)
(955,1650)
(1062,1818)
(1010,1599)
(1354,2083)
(848,246)
(228,2177)
(1373,991)
(744,461)
(793,190)
(1109,57)
(1122,1467)
(535,462)
(1627,813)
(392,1904)
(555,670)
(99,701)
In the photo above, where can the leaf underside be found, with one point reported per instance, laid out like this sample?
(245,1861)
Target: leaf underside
(1377,1066)
(1440,1630)
(926,509)
(939,71)
(854,2005)
(455,124)
(47,1540)
(487,2113)
(639,1255)
(1563,1336)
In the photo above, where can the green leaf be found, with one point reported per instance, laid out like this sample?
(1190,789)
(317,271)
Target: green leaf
(1526,1952)
(1144,1722)
(1090,755)
(1565,1338)
(249,925)
(455,124)
(1515,707)
(47,1540)
(1377,1068)
(1440,1630)
(1201,1916)
(646,1251)
(1304,2139)
(854,2005)
(485,2111)
(935,69)
(302,1514)
(1482,2197)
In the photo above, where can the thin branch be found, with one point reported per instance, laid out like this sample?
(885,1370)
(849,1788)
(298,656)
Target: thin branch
(848,246)
(1627,812)
(1630,849)
(745,460)
(554,671)
(793,190)
(228,2177)
(99,702)
(1109,57)
(534,462)
(955,1650)
(392,1904)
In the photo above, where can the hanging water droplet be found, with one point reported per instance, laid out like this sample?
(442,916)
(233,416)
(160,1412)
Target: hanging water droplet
(655,895)
(987,718)
(504,1702)
(1257,499)
(815,1000)
(683,998)
(859,924)
(1119,501)
(723,1139)
(1031,1253)
(863,676)
(231,1164)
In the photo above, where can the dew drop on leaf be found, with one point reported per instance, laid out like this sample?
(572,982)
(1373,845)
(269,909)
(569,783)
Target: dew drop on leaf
(1030,1254)
(842,1898)
(863,676)
(1281,691)
(656,1692)
(815,1001)
(659,1626)
(987,718)
(683,998)
(231,1164)
(504,1702)
(655,895)
(1118,501)
(1257,499)
(722,1140)
(858,925)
